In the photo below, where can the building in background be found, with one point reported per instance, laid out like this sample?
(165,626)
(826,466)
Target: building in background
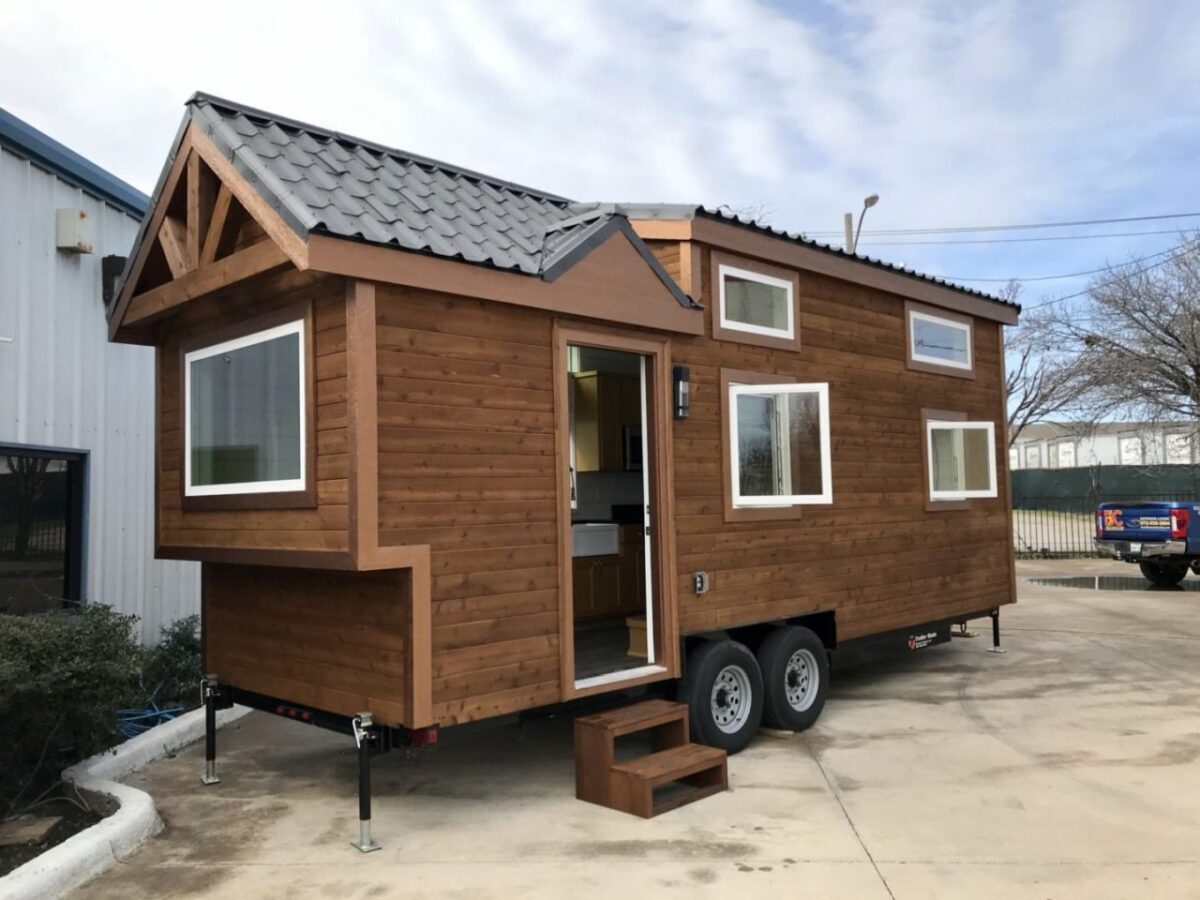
(1054,445)
(76,412)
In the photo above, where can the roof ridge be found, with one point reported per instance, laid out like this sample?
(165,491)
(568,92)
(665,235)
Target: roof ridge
(200,97)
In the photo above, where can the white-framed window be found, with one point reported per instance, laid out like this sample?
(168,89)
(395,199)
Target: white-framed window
(1178,449)
(939,341)
(756,303)
(1130,449)
(1033,456)
(1014,459)
(244,414)
(779,444)
(962,459)
(1065,451)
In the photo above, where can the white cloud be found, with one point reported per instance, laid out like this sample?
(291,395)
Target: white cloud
(997,111)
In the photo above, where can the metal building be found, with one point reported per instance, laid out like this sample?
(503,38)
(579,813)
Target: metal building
(76,412)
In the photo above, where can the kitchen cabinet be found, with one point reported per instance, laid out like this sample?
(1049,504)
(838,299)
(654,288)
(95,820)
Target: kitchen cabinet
(597,587)
(605,405)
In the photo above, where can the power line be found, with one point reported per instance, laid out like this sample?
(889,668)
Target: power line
(1088,290)
(1024,240)
(966,228)
(1061,276)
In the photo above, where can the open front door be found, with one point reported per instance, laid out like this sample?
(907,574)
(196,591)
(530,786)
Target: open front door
(618,626)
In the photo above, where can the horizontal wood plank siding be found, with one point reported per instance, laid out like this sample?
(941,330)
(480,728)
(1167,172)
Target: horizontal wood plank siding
(466,465)
(875,557)
(336,641)
(324,527)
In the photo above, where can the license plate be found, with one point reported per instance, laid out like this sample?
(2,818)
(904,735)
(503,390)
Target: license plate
(1135,547)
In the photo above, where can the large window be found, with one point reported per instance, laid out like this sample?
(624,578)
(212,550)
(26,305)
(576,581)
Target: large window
(245,414)
(755,303)
(939,342)
(961,458)
(779,444)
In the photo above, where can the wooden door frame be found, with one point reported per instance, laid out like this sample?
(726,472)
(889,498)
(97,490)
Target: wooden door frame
(662,495)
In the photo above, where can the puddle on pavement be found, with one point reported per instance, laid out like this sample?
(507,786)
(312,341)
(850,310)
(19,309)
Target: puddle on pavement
(1115,583)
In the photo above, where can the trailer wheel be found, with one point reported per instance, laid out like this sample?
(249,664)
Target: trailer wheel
(795,671)
(724,693)
(1163,574)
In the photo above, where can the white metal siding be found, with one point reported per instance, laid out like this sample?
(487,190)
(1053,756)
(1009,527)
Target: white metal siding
(62,384)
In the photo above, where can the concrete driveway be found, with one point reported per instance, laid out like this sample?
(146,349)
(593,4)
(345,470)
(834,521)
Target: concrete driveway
(1067,767)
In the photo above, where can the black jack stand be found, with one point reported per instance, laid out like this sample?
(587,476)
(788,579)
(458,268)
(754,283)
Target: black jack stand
(210,693)
(364,734)
(995,648)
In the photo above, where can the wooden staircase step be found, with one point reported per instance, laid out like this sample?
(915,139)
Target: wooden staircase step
(688,773)
(672,764)
(638,717)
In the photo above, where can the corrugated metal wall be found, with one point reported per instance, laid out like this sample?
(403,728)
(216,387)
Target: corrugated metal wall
(63,385)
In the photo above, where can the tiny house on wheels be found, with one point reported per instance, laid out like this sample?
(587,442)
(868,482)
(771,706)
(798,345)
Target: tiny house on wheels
(451,448)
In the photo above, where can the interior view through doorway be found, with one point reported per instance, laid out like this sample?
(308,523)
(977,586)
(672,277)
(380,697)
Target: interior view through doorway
(611,551)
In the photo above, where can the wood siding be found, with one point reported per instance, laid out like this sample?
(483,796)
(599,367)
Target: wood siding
(335,641)
(324,527)
(466,465)
(875,556)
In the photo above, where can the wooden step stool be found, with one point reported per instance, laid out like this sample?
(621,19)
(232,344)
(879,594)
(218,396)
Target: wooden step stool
(694,771)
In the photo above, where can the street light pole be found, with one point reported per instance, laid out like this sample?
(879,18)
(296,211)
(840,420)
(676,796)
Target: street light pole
(852,233)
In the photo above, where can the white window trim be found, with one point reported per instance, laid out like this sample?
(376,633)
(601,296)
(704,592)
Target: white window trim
(913,315)
(822,391)
(788,333)
(246,487)
(990,428)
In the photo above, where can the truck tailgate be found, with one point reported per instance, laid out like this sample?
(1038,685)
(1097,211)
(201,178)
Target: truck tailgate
(1140,522)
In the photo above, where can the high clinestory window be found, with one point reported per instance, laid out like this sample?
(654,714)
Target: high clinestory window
(940,342)
(755,303)
(778,445)
(246,426)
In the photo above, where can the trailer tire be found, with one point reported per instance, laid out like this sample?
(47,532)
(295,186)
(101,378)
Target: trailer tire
(795,669)
(723,690)
(1163,574)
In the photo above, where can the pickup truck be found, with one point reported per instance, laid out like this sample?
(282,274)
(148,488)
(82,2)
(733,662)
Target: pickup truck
(1163,538)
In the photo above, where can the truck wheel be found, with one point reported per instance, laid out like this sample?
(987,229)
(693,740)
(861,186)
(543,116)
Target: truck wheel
(795,671)
(724,693)
(1163,574)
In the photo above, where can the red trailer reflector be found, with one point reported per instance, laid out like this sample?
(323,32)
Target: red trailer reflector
(1179,523)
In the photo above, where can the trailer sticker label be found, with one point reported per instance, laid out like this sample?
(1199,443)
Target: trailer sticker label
(1112,520)
(921,641)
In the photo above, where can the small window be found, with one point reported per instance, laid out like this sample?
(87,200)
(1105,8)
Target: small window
(939,343)
(245,414)
(756,303)
(962,461)
(779,444)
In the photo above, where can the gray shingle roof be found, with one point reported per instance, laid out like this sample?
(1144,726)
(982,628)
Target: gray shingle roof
(327,182)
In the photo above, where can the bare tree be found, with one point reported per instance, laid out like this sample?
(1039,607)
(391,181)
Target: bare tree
(1137,346)
(1043,378)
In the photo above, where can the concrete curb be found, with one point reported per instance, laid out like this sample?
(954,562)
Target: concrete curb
(85,855)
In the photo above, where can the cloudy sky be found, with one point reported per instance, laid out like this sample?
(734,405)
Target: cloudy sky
(960,114)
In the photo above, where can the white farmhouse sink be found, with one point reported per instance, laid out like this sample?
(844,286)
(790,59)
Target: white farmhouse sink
(594,539)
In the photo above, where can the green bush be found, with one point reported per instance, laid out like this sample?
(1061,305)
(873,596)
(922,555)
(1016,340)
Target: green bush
(171,671)
(63,676)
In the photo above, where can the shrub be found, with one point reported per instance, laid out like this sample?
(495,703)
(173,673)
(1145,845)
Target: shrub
(171,670)
(63,676)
